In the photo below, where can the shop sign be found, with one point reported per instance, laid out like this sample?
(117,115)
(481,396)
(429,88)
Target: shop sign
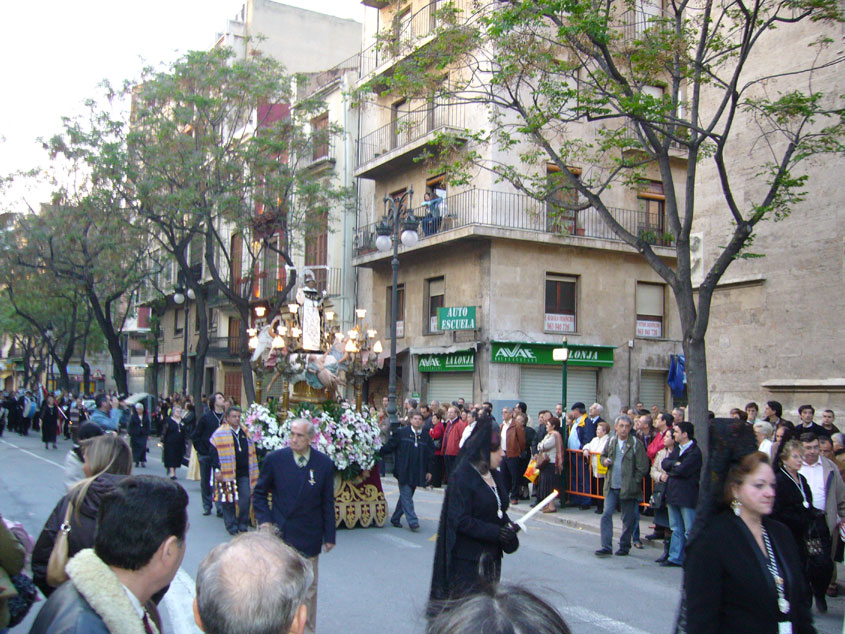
(463,361)
(543,354)
(456,318)
(559,323)
(647,328)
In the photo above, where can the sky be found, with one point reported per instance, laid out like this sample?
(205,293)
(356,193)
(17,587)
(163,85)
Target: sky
(56,52)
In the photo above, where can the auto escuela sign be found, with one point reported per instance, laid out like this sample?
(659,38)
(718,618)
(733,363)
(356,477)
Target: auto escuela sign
(456,318)
(542,354)
(463,361)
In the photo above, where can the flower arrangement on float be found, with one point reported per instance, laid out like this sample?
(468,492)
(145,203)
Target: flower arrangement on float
(349,438)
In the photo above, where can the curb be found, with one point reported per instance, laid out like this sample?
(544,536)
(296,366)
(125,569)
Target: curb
(559,518)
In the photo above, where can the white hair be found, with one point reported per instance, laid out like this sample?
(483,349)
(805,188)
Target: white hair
(309,426)
(598,407)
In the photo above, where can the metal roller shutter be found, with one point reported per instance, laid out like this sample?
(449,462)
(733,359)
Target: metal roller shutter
(450,386)
(540,388)
(653,389)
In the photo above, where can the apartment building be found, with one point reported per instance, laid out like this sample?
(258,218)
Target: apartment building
(515,278)
(324,48)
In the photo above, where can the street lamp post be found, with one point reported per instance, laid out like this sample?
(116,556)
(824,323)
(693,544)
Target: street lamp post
(388,235)
(179,298)
(562,355)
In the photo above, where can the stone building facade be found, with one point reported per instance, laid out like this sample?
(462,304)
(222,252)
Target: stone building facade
(775,331)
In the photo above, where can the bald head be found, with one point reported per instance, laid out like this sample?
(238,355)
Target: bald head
(254,584)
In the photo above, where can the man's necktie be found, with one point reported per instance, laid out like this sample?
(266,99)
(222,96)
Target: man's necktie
(301,461)
(147,628)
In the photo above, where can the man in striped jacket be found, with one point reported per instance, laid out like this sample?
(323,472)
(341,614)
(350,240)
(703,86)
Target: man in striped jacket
(235,470)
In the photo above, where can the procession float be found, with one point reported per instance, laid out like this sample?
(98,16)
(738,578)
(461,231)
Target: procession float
(322,371)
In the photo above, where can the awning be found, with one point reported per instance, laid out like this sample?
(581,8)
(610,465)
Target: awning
(457,347)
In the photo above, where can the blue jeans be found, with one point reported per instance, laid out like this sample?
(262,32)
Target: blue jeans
(681,519)
(406,505)
(628,509)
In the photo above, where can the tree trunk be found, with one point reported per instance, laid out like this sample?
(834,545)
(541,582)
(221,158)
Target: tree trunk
(64,378)
(697,392)
(246,355)
(112,340)
(201,351)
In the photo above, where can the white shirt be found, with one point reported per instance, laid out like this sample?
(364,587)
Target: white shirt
(684,448)
(135,602)
(505,425)
(467,431)
(815,478)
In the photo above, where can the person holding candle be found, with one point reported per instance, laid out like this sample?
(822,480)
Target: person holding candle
(475,530)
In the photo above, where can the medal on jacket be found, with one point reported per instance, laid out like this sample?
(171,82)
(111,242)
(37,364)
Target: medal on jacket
(311,481)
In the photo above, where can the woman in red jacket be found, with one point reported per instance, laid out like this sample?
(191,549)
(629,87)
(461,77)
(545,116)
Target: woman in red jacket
(437,432)
(452,439)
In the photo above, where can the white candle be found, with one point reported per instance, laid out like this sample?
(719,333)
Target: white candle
(540,505)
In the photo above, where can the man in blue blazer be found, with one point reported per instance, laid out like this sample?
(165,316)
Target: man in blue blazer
(301,482)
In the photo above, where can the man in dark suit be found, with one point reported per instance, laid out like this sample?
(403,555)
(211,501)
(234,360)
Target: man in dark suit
(414,454)
(683,466)
(301,481)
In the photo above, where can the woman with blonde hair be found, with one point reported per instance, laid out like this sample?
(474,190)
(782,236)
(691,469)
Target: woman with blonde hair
(108,459)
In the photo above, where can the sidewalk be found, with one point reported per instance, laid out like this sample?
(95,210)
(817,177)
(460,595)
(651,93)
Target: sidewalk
(587,521)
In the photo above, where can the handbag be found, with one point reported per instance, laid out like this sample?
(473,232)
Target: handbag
(658,496)
(56,574)
(19,605)
(541,459)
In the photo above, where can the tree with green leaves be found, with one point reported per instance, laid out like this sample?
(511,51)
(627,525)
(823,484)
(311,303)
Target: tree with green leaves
(626,89)
(210,163)
(82,241)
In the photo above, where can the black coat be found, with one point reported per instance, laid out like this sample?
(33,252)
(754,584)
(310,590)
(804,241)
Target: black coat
(139,431)
(201,434)
(413,455)
(789,507)
(82,527)
(303,512)
(49,423)
(728,585)
(173,439)
(684,471)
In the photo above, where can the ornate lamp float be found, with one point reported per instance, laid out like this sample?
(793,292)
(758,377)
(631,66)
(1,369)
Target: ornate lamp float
(318,364)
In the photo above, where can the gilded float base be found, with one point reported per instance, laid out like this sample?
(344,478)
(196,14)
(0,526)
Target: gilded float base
(359,504)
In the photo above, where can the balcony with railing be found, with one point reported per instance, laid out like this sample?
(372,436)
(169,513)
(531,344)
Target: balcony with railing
(503,210)
(396,144)
(224,347)
(408,32)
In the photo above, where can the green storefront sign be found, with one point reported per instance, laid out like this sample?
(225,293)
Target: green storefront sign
(542,354)
(463,361)
(456,318)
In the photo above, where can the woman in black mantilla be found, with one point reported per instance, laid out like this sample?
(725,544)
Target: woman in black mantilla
(474,526)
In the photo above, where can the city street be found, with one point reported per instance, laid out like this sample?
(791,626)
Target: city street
(377,580)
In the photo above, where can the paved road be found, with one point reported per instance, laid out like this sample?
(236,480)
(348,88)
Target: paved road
(376,580)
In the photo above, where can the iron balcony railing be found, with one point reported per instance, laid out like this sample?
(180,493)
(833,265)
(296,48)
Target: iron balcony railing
(407,31)
(407,128)
(506,210)
(224,347)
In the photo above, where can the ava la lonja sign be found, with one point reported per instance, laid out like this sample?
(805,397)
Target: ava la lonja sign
(463,361)
(542,354)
